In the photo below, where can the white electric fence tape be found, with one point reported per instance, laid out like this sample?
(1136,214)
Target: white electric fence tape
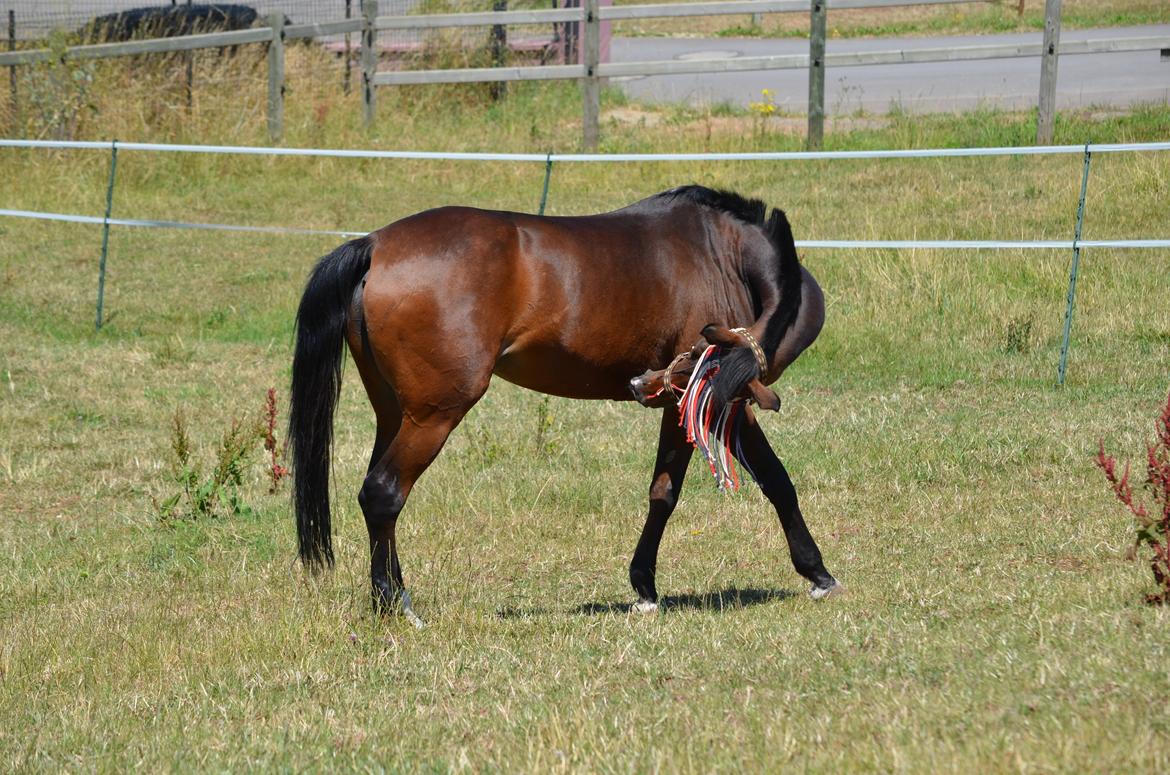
(546,158)
(918,153)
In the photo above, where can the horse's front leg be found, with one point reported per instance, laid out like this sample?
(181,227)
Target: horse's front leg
(755,453)
(674,453)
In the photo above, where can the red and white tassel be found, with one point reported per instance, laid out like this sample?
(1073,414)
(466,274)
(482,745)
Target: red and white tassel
(712,434)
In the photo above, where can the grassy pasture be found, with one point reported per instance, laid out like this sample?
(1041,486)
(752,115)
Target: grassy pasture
(992,623)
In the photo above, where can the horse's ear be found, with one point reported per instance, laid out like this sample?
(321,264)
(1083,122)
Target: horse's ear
(764,396)
(718,335)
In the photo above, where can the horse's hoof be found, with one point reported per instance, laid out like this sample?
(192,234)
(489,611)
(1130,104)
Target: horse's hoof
(387,604)
(820,593)
(409,613)
(644,607)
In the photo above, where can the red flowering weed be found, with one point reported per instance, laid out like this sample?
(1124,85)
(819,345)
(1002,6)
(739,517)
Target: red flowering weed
(1153,517)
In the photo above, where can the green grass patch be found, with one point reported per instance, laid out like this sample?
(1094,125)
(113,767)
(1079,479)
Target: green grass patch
(993,622)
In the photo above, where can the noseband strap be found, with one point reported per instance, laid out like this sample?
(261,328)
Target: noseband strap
(758,351)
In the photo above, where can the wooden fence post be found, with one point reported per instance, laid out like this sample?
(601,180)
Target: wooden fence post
(12,69)
(1046,111)
(190,64)
(348,64)
(499,45)
(369,59)
(590,84)
(816,75)
(276,76)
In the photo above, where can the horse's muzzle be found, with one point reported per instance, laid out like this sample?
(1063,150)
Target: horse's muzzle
(647,390)
(638,389)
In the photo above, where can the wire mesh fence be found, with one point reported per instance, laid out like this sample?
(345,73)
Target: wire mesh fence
(33,20)
(37,18)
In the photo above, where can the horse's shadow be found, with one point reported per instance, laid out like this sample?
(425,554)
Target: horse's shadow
(728,599)
(720,600)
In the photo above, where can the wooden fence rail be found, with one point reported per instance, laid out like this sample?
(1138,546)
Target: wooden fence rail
(592,70)
(139,47)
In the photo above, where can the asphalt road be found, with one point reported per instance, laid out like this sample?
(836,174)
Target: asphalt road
(1082,80)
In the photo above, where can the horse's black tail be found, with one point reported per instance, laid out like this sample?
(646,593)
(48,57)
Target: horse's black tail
(316,386)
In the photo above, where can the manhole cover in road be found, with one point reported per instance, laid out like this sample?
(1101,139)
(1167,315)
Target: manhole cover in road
(707,56)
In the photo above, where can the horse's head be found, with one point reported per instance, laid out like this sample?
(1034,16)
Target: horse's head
(657,388)
(664,386)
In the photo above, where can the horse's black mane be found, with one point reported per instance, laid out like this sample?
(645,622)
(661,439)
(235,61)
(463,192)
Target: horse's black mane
(750,211)
(747,210)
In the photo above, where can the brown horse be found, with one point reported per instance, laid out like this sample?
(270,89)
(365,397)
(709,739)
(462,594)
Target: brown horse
(433,305)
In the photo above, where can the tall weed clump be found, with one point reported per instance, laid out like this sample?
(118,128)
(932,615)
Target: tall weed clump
(146,97)
(215,491)
(1153,512)
(56,96)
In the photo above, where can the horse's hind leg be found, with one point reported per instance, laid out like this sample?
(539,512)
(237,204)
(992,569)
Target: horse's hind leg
(756,454)
(411,431)
(383,495)
(377,506)
(674,453)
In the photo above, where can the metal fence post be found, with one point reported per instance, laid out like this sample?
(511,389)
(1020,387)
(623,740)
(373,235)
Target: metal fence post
(1072,273)
(816,75)
(1046,110)
(591,84)
(369,59)
(106,234)
(547,176)
(276,76)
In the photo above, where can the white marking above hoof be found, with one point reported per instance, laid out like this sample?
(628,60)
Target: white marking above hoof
(409,613)
(644,607)
(820,593)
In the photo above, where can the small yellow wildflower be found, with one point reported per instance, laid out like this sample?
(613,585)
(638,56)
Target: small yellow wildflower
(766,107)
